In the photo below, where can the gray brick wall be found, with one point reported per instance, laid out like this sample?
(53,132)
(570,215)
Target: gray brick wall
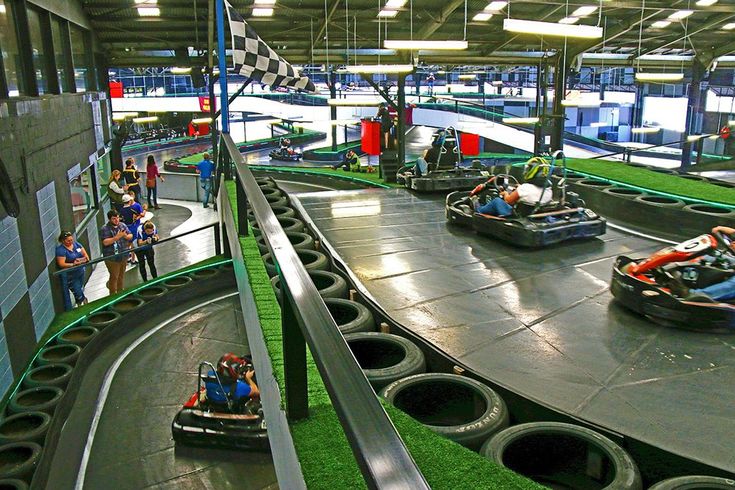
(12,270)
(42,303)
(6,373)
(49,214)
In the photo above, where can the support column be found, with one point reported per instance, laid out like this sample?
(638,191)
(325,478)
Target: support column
(541,90)
(695,112)
(641,91)
(560,88)
(401,136)
(333,109)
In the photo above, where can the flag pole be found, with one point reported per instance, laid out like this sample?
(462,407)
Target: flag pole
(222,61)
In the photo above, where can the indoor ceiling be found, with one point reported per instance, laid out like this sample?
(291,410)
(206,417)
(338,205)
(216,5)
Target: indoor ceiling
(352,32)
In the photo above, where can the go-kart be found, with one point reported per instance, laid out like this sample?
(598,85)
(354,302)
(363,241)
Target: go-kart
(645,285)
(530,225)
(235,424)
(286,155)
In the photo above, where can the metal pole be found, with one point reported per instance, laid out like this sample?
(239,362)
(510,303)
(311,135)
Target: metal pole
(560,88)
(222,61)
(294,359)
(242,209)
(333,109)
(402,120)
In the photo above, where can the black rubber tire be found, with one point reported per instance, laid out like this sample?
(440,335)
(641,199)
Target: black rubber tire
(177,282)
(350,316)
(19,460)
(28,426)
(128,304)
(63,353)
(695,482)
(279,211)
(55,374)
(204,273)
(714,211)
(102,319)
(660,201)
(595,184)
(288,225)
(41,399)
(271,191)
(228,267)
(152,292)
(80,336)
(265,182)
(299,240)
(488,411)
(13,484)
(276,201)
(311,259)
(329,284)
(385,358)
(626,474)
(623,192)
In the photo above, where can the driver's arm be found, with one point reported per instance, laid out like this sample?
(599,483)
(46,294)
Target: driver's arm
(511,197)
(723,229)
(254,391)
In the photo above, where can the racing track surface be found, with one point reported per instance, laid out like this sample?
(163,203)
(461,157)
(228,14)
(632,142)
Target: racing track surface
(133,447)
(539,322)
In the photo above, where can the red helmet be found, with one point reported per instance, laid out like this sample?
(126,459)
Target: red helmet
(232,366)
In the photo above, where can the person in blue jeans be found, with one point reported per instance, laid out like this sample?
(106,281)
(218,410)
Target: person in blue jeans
(722,291)
(70,253)
(146,236)
(205,169)
(533,190)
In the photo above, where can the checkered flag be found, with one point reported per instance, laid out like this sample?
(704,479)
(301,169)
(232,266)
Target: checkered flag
(256,60)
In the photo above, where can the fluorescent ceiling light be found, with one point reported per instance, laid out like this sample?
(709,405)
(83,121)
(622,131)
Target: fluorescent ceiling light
(467,77)
(495,6)
(353,103)
(584,10)
(379,68)
(260,12)
(202,120)
(706,3)
(694,137)
(149,119)
(404,44)
(176,70)
(395,4)
(599,124)
(387,13)
(265,2)
(645,130)
(149,11)
(482,16)
(496,83)
(714,137)
(551,29)
(729,27)
(521,120)
(441,72)
(731,123)
(569,20)
(149,2)
(658,77)
(2,9)
(660,24)
(581,103)
(681,14)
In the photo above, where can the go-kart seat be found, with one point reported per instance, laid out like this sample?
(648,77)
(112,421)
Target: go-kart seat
(523,210)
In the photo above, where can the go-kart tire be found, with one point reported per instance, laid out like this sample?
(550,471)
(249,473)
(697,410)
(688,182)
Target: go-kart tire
(456,407)
(13,484)
(660,201)
(311,259)
(80,336)
(152,292)
(127,304)
(27,426)
(695,482)
(279,211)
(40,399)
(55,374)
(299,240)
(177,282)
(350,316)
(623,192)
(266,182)
(19,460)
(102,319)
(271,191)
(595,184)
(552,448)
(713,211)
(385,358)
(207,273)
(60,353)
(329,284)
(276,201)
(288,225)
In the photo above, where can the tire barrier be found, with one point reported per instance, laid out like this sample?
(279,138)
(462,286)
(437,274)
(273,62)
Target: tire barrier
(276,201)
(40,399)
(623,192)
(598,184)
(152,292)
(177,282)
(80,336)
(696,482)
(563,455)
(13,484)
(56,374)
(279,211)
(61,353)
(311,259)
(660,201)
(329,284)
(288,224)
(127,304)
(265,182)
(385,358)
(693,177)
(350,316)
(271,191)
(228,267)
(299,240)
(19,460)
(456,407)
(28,426)
(102,319)
(711,211)
(204,274)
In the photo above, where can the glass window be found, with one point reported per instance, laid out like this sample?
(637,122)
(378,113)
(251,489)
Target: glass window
(9,45)
(59,54)
(82,194)
(80,58)
(34,26)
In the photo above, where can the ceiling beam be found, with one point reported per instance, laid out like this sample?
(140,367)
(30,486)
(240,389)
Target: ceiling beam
(323,28)
(712,21)
(432,26)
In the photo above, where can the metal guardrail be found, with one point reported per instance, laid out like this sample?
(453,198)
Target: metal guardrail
(378,449)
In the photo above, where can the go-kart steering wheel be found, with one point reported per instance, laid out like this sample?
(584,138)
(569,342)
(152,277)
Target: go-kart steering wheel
(512,181)
(723,240)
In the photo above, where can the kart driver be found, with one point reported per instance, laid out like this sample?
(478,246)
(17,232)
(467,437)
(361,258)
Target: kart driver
(236,375)
(531,192)
(722,291)
(286,147)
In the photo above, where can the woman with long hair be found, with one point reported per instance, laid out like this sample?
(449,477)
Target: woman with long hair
(152,173)
(115,190)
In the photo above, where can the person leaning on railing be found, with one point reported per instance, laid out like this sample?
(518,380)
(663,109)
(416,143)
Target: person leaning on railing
(70,253)
(115,237)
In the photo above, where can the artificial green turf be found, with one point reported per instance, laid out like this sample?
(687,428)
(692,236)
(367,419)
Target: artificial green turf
(674,185)
(326,459)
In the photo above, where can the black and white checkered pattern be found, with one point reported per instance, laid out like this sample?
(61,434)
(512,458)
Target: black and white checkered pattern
(256,60)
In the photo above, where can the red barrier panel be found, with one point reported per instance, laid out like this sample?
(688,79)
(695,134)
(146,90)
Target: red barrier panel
(116,90)
(370,137)
(469,144)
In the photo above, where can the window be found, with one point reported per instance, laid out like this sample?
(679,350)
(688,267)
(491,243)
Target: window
(60,54)
(82,189)
(34,26)
(79,56)
(9,45)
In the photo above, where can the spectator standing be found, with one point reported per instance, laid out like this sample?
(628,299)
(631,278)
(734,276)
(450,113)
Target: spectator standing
(430,82)
(131,214)
(116,190)
(132,178)
(115,237)
(70,253)
(386,123)
(205,169)
(147,236)
(152,174)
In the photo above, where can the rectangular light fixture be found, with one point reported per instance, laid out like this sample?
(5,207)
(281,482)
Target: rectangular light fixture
(379,68)
(149,11)
(694,137)
(265,2)
(482,16)
(148,2)
(551,29)
(714,137)
(467,77)
(395,4)
(405,44)
(353,103)
(660,24)
(125,114)
(202,120)
(706,3)
(262,12)
(581,103)
(142,120)
(645,130)
(569,20)
(177,70)
(658,77)
(495,6)
(729,27)
(584,10)
(387,13)
(599,124)
(521,120)
(731,123)
(681,14)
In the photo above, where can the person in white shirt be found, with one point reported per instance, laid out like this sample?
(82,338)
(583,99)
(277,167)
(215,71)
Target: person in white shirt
(533,191)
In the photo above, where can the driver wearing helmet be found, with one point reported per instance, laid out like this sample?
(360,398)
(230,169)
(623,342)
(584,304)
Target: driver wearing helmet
(533,191)
(236,376)
(285,147)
